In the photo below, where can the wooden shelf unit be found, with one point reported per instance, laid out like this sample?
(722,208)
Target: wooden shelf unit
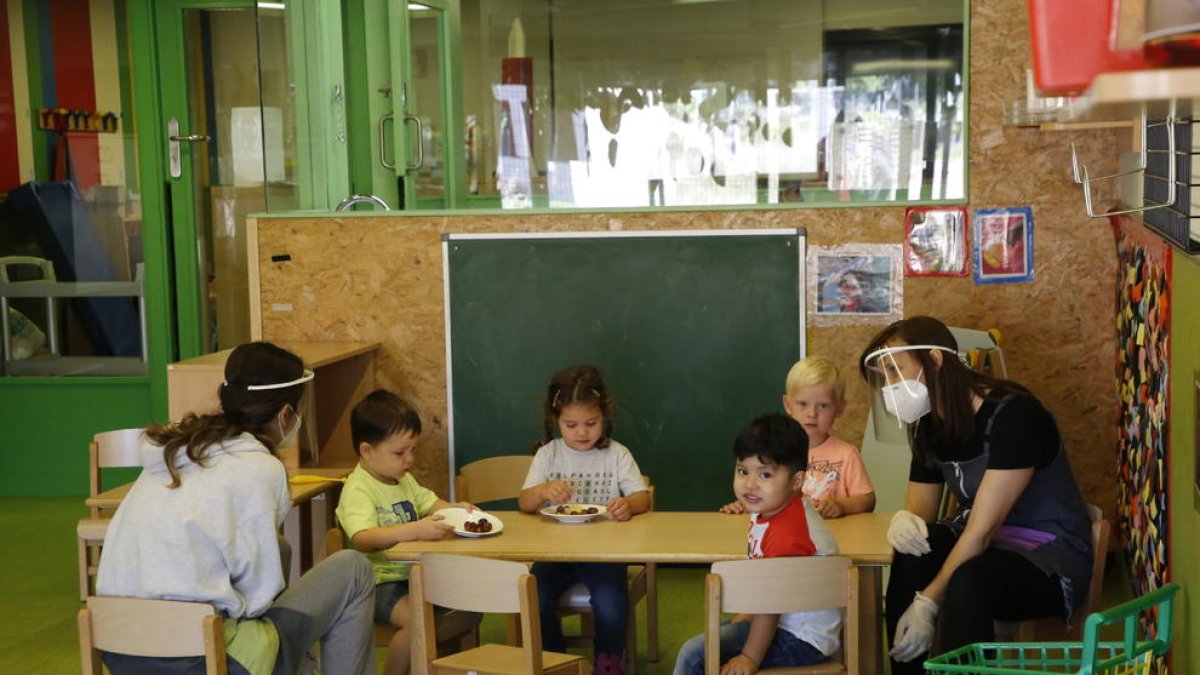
(1121,95)
(345,374)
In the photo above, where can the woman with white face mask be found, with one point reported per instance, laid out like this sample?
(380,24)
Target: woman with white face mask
(201,524)
(1019,546)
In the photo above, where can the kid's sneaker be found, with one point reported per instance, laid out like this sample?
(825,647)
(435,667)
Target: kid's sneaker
(609,664)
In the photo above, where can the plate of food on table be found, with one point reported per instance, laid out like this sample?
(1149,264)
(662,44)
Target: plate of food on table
(573,513)
(474,523)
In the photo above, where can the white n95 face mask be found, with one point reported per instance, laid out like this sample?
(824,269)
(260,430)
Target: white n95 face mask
(908,400)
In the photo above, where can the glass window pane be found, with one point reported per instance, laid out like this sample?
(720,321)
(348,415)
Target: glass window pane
(71,223)
(576,103)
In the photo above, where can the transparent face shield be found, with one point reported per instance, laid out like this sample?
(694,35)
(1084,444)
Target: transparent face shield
(898,392)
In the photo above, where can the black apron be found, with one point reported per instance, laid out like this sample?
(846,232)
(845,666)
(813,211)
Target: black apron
(1048,525)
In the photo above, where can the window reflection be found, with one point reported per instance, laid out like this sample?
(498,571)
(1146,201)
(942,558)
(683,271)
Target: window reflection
(580,104)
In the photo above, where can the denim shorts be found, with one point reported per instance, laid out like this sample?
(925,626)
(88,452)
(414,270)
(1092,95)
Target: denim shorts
(387,595)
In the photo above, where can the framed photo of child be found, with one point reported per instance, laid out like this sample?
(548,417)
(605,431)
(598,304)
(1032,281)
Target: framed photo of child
(1003,245)
(935,241)
(855,283)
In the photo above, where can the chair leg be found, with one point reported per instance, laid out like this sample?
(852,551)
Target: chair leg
(631,641)
(513,630)
(652,612)
(83,569)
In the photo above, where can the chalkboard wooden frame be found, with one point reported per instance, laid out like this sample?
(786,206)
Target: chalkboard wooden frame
(688,327)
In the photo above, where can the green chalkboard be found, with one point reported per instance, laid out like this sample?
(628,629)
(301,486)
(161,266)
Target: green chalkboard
(694,332)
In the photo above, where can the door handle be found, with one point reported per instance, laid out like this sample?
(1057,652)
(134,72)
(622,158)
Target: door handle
(174,138)
(383,160)
(420,143)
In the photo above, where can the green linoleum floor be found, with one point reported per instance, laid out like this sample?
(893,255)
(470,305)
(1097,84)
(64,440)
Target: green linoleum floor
(39,597)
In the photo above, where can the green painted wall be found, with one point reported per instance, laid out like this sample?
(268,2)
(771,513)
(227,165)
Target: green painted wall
(48,422)
(1184,513)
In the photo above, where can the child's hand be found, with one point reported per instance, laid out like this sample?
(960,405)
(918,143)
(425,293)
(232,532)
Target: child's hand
(734,506)
(739,665)
(828,508)
(619,509)
(556,492)
(468,506)
(431,528)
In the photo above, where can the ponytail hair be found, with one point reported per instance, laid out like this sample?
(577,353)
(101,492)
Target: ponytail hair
(243,410)
(581,385)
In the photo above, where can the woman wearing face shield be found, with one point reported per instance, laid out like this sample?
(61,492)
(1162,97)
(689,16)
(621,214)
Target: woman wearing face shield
(201,524)
(1019,545)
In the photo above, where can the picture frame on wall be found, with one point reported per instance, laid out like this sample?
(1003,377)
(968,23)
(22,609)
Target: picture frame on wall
(1003,245)
(855,283)
(935,241)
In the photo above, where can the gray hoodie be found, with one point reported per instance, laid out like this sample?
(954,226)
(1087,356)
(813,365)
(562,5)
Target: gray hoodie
(212,539)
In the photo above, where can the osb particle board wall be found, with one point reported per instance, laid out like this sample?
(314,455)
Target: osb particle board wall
(380,278)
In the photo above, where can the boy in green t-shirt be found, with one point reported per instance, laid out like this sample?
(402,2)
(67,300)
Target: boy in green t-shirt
(382,504)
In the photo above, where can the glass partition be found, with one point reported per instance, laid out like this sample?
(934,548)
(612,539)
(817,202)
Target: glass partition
(72,295)
(643,103)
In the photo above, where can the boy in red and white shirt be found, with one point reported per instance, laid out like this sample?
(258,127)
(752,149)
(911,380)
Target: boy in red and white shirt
(771,455)
(836,480)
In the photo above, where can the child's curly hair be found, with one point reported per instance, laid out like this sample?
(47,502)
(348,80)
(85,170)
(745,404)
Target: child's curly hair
(580,384)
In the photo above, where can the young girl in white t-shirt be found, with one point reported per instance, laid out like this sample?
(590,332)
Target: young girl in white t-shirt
(583,465)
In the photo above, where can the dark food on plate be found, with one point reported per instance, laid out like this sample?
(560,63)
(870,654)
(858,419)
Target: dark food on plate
(576,510)
(481,525)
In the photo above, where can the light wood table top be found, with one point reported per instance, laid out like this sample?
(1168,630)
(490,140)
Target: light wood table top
(656,536)
(301,492)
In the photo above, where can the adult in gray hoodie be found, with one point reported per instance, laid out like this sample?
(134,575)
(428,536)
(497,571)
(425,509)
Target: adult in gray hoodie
(201,524)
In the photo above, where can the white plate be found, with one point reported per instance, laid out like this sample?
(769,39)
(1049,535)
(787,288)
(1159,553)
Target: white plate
(552,511)
(456,517)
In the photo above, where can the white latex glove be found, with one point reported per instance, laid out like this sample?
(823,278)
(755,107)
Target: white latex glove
(914,632)
(908,533)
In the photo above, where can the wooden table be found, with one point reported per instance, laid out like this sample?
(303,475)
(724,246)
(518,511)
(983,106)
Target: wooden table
(302,530)
(674,537)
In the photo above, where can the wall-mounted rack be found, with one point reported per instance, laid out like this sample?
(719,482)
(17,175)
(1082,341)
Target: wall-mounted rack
(62,119)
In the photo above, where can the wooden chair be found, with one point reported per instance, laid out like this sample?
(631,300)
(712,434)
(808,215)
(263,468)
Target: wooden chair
(108,450)
(493,478)
(643,583)
(157,628)
(456,630)
(812,583)
(1054,629)
(501,478)
(481,585)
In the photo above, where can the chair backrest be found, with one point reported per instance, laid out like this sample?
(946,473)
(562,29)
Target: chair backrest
(44,266)
(155,628)
(477,585)
(752,587)
(493,478)
(112,449)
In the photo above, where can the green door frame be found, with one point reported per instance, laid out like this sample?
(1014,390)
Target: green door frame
(173,94)
(450,27)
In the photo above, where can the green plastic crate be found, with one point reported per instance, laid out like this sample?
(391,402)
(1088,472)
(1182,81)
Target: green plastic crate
(1129,656)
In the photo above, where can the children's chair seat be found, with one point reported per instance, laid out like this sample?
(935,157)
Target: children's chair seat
(505,660)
